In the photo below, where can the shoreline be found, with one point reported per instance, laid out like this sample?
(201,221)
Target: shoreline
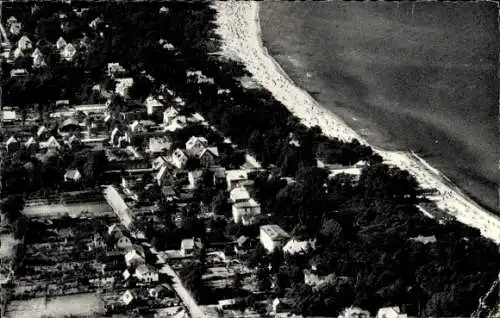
(239,28)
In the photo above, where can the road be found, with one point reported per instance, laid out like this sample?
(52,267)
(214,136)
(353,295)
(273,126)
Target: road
(193,308)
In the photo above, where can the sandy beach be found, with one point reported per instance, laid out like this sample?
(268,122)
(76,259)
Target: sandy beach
(239,28)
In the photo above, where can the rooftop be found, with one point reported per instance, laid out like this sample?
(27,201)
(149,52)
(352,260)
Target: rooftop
(274,232)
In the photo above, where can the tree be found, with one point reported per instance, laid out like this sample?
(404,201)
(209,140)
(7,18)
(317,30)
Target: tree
(219,203)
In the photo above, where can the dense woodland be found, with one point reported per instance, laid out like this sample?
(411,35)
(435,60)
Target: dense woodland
(363,229)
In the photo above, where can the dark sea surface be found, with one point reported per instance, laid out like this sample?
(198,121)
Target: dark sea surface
(421,78)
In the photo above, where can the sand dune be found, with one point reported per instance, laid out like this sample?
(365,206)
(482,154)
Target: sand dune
(239,28)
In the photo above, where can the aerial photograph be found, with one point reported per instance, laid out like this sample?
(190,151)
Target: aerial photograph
(287,159)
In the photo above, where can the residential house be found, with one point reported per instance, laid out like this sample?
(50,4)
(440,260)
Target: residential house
(311,278)
(237,178)
(169,114)
(42,132)
(354,312)
(39,61)
(146,273)
(159,145)
(194,177)
(160,291)
(123,85)
(209,156)
(18,52)
(177,123)
(179,159)
(18,72)
(116,227)
(116,136)
(98,241)
(239,194)
(24,43)
(31,143)
(134,257)
(96,22)
(68,52)
(61,43)
(122,242)
(115,69)
(129,296)
(36,52)
(72,175)
(188,246)
(164,176)
(219,175)
(164,10)
(11,20)
(15,28)
(159,162)
(246,212)
(51,143)
(293,246)
(390,312)
(73,142)
(153,105)
(12,144)
(242,244)
(169,193)
(9,115)
(272,236)
(195,145)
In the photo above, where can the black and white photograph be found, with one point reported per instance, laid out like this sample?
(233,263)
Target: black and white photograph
(248,159)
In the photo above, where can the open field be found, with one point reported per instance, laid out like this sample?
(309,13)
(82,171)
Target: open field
(72,209)
(79,304)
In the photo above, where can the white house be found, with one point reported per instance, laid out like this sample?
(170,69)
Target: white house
(51,143)
(237,178)
(123,85)
(189,245)
(18,52)
(390,312)
(133,257)
(169,114)
(163,175)
(245,212)
(146,273)
(61,43)
(294,246)
(159,144)
(179,159)
(129,296)
(15,28)
(18,72)
(272,236)
(194,177)
(354,312)
(72,175)
(195,145)
(159,162)
(153,105)
(137,127)
(115,69)
(31,142)
(239,194)
(39,61)
(209,156)
(24,43)
(68,52)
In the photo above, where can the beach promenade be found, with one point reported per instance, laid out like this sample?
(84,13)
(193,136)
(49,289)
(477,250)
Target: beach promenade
(239,28)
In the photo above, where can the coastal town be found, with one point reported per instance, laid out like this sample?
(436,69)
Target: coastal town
(123,196)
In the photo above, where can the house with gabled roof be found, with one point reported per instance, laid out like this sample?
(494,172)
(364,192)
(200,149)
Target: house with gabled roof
(153,105)
(146,273)
(273,236)
(390,312)
(15,28)
(39,61)
(179,159)
(31,143)
(115,69)
(134,258)
(36,52)
(51,143)
(158,145)
(237,178)
(209,156)
(169,114)
(68,52)
(294,246)
(123,85)
(195,145)
(11,20)
(12,144)
(24,43)
(164,176)
(188,246)
(72,175)
(246,212)
(61,43)
(18,52)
